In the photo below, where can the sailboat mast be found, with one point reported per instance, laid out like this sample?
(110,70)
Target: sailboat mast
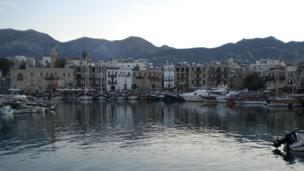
(101,80)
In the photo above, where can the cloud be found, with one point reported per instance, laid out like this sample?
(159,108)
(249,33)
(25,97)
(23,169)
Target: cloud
(6,4)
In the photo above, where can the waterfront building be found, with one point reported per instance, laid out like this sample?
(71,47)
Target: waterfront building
(128,64)
(198,76)
(169,76)
(39,80)
(23,61)
(96,74)
(300,76)
(182,76)
(119,79)
(150,79)
(263,65)
(291,77)
(236,73)
(275,78)
(217,74)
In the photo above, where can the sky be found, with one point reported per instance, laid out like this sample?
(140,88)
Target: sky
(177,23)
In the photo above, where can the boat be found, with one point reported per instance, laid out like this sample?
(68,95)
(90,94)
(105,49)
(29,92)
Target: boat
(250,100)
(120,96)
(133,96)
(173,98)
(292,141)
(85,96)
(224,97)
(152,97)
(194,96)
(23,108)
(209,99)
(284,102)
(101,96)
(6,109)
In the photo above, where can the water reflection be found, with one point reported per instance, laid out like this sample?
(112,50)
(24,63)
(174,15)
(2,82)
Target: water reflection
(124,125)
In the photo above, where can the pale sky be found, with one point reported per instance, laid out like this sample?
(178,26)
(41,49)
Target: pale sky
(177,23)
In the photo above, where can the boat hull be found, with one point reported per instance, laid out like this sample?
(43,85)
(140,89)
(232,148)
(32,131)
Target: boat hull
(132,97)
(192,98)
(85,98)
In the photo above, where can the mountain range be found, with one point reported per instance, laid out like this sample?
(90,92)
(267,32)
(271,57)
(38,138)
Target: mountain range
(36,44)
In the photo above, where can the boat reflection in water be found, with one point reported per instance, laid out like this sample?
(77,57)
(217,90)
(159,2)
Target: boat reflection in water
(125,135)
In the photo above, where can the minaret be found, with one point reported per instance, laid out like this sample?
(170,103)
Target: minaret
(53,55)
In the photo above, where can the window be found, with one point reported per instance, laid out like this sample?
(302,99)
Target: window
(20,77)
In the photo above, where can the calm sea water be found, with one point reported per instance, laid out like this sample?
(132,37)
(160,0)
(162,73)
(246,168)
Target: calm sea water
(149,136)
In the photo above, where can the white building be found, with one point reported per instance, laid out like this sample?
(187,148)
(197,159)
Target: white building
(128,65)
(28,61)
(291,76)
(46,61)
(263,65)
(169,71)
(119,79)
(74,61)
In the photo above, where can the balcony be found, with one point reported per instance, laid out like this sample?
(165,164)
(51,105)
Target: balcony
(112,82)
(112,75)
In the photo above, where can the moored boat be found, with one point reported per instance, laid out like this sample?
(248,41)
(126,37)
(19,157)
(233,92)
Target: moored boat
(194,96)
(293,141)
(120,96)
(173,98)
(250,100)
(132,96)
(283,102)
(101,96)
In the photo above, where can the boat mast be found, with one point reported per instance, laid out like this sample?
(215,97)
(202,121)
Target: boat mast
(101,81)
(84,56)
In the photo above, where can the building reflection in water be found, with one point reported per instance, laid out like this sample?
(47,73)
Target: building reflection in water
(111,121)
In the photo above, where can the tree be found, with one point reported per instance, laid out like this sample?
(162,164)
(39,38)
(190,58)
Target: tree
(5,65)
(60,63)
(253,82)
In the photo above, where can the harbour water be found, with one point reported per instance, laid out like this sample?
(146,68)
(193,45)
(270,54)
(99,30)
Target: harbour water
(149,136)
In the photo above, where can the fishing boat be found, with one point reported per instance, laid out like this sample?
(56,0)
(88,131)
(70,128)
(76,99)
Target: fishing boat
(101,96)
(292,141)
(6,109)
(23,108)
(132,96)
(284,102)
(120,96)
(85,96)
(250,100)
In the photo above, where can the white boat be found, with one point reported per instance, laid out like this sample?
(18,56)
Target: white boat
(6,110)
(194,96)
(283,102)
(250,100)
(101,97)
(209,99)
(223,98)
(120,97)
(86,96)
(133,97)
(293,141)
